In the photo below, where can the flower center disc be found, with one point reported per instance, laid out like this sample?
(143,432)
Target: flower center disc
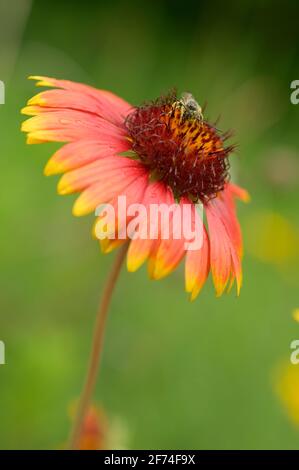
(187,153)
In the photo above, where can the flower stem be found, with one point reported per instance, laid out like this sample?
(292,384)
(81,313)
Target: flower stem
(97,348)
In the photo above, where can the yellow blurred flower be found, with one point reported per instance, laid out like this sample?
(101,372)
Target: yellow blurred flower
(287,386)
(296,314)
(272,238)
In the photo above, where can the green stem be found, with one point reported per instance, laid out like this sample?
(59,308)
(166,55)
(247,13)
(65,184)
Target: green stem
(97,348)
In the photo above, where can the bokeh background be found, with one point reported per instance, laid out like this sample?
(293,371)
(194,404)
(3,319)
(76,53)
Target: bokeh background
(210,374)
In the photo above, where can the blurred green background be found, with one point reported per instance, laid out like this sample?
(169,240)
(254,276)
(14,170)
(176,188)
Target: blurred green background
(174,374)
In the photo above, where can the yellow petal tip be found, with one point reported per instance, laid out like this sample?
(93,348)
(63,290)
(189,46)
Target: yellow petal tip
(41,81)
(23,127)
(36,100)
(80,209)
(53,168)
(63,189)
(132,265)
(247,197)
(24,110)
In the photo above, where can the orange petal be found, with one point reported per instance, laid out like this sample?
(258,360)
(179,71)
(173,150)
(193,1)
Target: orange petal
(109,186)
(107,245)
(197,267)
(140,249)
(220,250)
(96,172)
(168,252)
(69,126)
(77,154)
(131,194)
(102,102)
(236,270)
(225,207)
(239,192)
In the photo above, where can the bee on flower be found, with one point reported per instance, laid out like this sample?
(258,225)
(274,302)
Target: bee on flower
(160,153)
(163,151)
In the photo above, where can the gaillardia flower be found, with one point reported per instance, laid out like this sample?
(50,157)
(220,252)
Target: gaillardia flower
(161,152)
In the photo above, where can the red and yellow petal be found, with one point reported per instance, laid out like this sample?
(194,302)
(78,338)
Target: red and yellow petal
(70,126)
(239,192)
(140,249)
(108,245)
(225,258)
(77,154)
(78,96)
(168,253)
(220,253)
(96,173)
(197,266)
(107,186)
(225,207)
(112,223)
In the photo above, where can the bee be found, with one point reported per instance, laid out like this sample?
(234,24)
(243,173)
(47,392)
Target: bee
(191,109)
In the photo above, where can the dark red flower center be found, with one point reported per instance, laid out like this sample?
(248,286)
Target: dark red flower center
(171,138)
